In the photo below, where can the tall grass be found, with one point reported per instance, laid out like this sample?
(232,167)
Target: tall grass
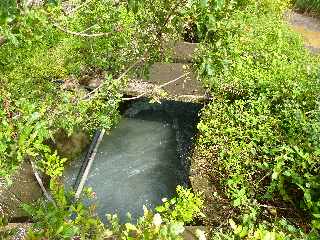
(312,6)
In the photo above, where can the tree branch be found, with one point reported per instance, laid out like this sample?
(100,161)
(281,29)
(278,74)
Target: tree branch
(37,175)
(119,78)
(80,34)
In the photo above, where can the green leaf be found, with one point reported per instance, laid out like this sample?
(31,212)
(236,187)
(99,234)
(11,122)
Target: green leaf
(203,3)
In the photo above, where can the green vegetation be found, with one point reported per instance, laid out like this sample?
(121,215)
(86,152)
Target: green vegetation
(261,132)
(259,137)
(69,219)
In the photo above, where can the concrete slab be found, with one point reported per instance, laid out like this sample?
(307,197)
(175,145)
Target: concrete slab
(183,52)
(161,79)
(24,189)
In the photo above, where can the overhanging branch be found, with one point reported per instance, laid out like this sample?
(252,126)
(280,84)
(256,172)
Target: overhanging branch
(80,34)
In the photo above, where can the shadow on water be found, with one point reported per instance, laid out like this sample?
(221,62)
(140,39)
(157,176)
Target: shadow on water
(143,159)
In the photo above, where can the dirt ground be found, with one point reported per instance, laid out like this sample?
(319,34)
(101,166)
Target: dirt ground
(309,28)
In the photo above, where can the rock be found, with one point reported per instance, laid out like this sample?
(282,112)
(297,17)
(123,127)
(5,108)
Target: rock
(71,146)
(2,40)
(92,78)
(161,73)
(24,189)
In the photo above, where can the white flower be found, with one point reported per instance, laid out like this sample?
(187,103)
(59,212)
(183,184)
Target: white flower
(145,210)
(157,220)
(200,234)
(164,199)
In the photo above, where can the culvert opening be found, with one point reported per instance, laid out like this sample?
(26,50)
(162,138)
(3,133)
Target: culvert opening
(142,160)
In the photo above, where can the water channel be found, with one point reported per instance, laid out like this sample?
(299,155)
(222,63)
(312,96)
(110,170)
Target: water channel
(143,159)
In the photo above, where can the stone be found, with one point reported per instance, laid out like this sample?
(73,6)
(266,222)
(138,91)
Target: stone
(71,146)
(24,189)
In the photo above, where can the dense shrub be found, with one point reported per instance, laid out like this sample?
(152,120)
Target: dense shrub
(47,45)
(66,218)
(203,19)
(263,125)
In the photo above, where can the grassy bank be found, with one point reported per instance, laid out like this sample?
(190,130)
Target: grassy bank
(260,136)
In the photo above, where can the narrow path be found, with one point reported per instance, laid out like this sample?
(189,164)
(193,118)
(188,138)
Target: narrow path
(309,27)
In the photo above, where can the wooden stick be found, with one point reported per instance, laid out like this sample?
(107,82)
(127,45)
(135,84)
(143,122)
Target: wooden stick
(88,167)
(37,175)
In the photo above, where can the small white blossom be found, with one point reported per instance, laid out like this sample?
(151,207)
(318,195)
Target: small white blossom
(145,210)
(157,220)
(200,234)
(164,199)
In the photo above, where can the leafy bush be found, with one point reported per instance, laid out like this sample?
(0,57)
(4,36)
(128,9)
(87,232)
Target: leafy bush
(73,220)
(64,218)
(203,18)
(262,129)
(46,45)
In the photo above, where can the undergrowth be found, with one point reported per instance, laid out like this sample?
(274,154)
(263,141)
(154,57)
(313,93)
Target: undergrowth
(259,138)
(261,132)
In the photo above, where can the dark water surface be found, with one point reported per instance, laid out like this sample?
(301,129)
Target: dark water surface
(143,159)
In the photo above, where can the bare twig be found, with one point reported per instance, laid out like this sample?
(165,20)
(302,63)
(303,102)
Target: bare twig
(87,29)
(134,98)
(174,80)
(272,207)
(88,167)
(119,78)
(37,175)
(81,34)
(157,87)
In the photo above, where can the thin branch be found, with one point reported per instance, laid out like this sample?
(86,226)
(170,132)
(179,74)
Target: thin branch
(134,98)
(157,87)
(86,30)
(270,207)
(174,80)
(80,34)
(37,175)
(119,78)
